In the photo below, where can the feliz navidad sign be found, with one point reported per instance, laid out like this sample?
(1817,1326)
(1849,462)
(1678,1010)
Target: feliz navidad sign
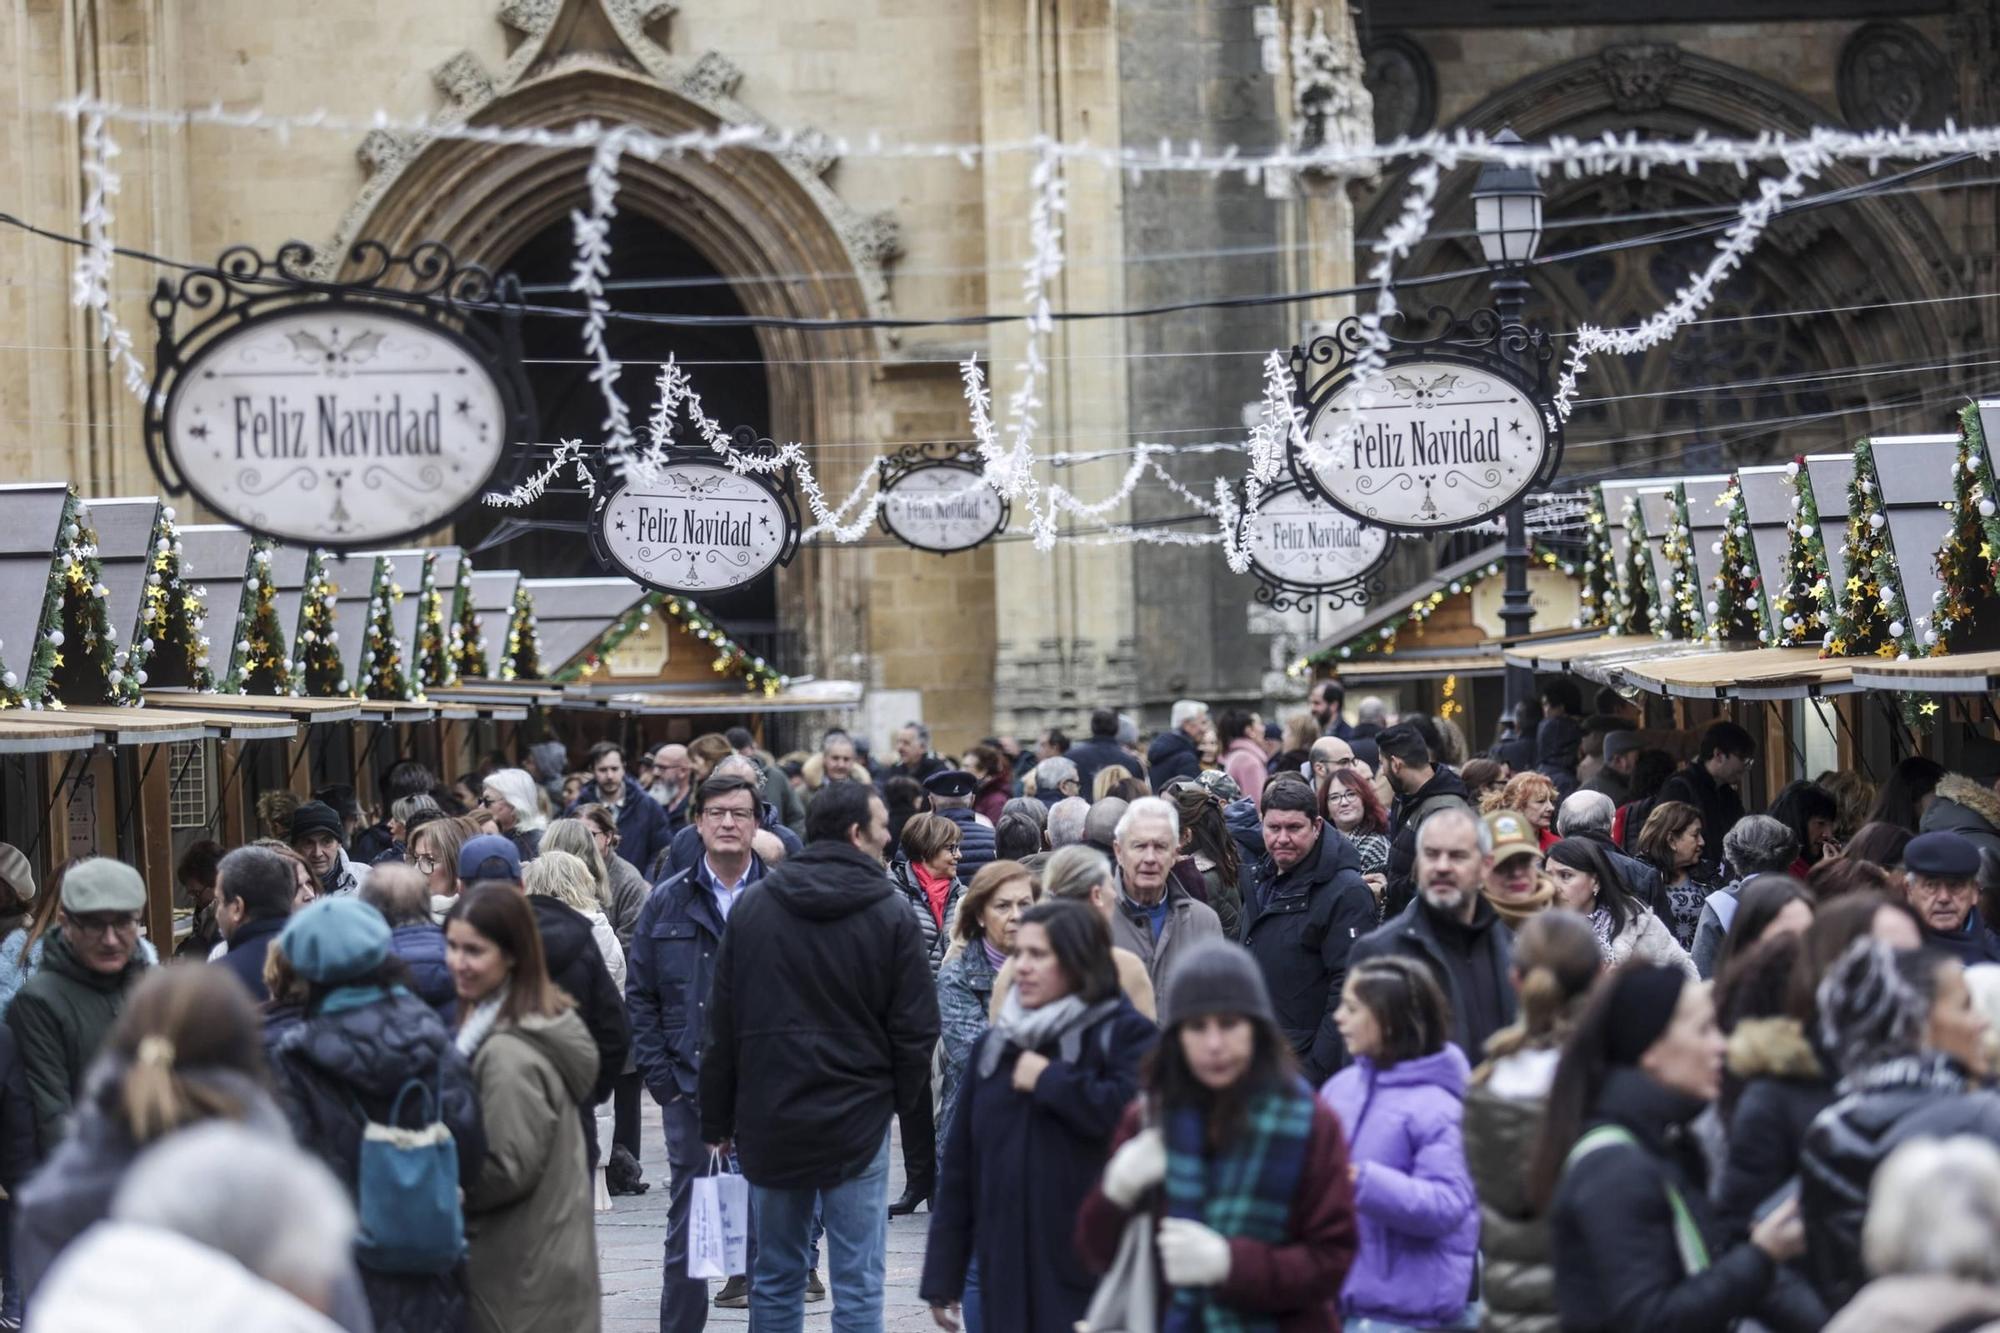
(942,507)
(1442,434)
(1301,545)
(697,527)
(345,415)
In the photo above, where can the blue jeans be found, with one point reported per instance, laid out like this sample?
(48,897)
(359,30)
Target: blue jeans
(856,1213)
(684,1299)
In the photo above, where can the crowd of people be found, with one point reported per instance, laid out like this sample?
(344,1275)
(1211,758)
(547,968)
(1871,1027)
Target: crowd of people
(1321,1024)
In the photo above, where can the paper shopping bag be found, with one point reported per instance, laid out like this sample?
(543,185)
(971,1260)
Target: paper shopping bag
(718,1224)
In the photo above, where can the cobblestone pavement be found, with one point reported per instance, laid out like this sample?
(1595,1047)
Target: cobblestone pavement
(630,1240)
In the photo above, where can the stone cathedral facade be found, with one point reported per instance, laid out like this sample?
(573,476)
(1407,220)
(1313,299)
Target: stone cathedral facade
(1006,638)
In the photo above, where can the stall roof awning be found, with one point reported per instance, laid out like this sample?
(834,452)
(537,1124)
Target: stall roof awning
(394,710)
(1410,666)
(41,733)
(308,711)
(141,726)
(1959,673)
(798,697)
(523,692)
(1756,673)
(1557,655)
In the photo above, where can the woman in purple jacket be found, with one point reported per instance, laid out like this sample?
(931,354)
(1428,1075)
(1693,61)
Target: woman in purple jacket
(1401,1103)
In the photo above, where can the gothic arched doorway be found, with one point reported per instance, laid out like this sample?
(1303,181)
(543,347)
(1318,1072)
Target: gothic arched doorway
(657,272)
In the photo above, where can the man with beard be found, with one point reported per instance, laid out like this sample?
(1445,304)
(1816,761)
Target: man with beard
(1452,929)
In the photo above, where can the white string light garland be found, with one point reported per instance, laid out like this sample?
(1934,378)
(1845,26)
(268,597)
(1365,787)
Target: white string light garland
(91,288)
(1009,469)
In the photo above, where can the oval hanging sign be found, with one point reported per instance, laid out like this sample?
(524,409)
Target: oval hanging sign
(1443,443)
(697,528)
(1300,543)
(337,424)
(942,507)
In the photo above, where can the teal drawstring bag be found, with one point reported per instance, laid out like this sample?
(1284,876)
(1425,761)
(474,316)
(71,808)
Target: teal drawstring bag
(406,1192)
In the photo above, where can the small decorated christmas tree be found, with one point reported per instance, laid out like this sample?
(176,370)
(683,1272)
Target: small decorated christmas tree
(1635,580)
(524,640)
(1968,564)
(468,631)
(382,674)
(435,666)
(1735,608)
(319,671)
(1803,604)
(172,614)
(74,658)
(1680,613)
(1599,595)
(1871,619)
(257,662)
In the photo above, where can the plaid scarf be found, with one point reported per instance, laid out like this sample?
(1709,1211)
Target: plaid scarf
(1244,1190)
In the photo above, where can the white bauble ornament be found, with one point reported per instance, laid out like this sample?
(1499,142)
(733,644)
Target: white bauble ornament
(1875,522)
(1896,629)
(56,637)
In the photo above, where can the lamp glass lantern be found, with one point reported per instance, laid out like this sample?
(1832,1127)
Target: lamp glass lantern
(1507,210)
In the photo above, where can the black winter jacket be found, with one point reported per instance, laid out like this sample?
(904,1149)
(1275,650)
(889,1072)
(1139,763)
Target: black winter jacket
(1720,808)
(1020,1223)
(247,949)
(1444,789)
(1618,1266)
(821,1022)
(1783,1088)
(1300,926)
(1171,755)
(1877,1110)
(1097,753)
(576,965)
(332,1068)
(1414,934)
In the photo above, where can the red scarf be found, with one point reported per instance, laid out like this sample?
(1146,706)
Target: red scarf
(938,891)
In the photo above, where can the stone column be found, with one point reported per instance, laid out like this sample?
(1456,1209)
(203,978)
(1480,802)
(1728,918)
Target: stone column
(1064,642)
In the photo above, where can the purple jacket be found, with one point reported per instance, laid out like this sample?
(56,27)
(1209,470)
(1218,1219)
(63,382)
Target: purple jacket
(1413,1195)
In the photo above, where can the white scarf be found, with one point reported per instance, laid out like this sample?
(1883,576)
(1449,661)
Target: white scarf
(1031,1029)
(478,1025)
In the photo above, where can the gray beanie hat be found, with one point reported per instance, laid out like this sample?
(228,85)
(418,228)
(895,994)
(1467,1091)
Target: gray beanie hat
(1216,977)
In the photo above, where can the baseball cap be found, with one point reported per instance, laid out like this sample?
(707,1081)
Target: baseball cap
(1512,835)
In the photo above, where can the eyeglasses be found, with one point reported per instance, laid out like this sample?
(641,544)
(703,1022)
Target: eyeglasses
(101,924)
(425,862)
(727,816)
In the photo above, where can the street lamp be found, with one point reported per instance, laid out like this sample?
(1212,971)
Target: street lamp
(1507,212)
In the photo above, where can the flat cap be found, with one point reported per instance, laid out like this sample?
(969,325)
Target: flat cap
(100,884)
(1942,855)
(952,782)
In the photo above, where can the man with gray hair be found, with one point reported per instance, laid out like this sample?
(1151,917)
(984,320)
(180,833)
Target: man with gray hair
(1371,715)
(1173,753)
(1587,814)
(1156,919)
(218,1227)
(1057,777)
(913,753)
(1452,929)
(1755,845)
(1066,822)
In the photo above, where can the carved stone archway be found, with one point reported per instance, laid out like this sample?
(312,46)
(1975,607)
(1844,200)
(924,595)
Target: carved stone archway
(1874,250)
(765,217)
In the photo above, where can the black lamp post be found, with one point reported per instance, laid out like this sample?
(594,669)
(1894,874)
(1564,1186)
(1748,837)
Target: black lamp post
(1507,211)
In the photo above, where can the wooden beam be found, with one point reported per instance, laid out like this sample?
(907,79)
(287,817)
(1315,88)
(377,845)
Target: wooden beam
(229,794)
(155,860)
